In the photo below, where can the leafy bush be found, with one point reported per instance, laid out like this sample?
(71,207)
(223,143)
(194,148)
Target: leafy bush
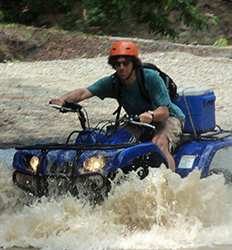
(221,42)
(161,16)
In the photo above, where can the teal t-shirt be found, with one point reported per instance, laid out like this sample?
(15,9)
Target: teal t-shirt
(132,100)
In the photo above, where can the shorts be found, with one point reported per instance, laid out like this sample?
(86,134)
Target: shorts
(173,130)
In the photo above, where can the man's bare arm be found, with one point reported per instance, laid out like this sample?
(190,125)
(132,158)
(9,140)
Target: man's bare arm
(76,95)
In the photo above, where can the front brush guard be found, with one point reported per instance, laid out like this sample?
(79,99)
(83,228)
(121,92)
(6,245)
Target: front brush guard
(91,186)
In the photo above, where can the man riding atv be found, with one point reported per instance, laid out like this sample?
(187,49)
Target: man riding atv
(124,86)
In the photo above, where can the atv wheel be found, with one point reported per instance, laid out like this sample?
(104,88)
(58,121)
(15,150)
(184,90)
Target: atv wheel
(91,187)
(142,164)
(30,183)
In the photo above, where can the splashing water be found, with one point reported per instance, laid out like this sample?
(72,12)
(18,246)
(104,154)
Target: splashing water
(161,212)
(10,198)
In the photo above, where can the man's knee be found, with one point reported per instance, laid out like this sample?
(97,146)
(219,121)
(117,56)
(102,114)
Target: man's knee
(161,141)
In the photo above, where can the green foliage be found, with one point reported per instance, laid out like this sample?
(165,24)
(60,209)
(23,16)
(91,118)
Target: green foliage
(161,16)
(1,16)
(27,11)
(221,42)
(106,14)
(214,20)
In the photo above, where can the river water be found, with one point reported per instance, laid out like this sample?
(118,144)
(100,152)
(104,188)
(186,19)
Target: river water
(161,212)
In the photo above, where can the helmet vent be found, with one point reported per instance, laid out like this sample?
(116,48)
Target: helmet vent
(124,48)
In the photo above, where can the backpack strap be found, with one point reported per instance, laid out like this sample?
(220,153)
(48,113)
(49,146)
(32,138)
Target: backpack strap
(141,83)
(117,113)
(117,89)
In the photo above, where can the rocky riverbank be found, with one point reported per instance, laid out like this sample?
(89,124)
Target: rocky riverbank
(26,87)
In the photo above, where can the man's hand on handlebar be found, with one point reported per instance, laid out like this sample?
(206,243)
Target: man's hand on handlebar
(57,101)
(146,117)
(135,120)
(64,106)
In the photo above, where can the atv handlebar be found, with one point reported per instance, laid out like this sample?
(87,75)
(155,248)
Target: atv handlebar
(67,107)
(77,108)
(72,107)
(134,120)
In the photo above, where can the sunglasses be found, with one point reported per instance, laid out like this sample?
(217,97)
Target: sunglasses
(117,64)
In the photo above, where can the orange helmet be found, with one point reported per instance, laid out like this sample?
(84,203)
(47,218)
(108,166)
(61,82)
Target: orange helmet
(124,48)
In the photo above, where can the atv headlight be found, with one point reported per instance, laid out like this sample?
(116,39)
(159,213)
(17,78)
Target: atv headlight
(34,163)
(94,164)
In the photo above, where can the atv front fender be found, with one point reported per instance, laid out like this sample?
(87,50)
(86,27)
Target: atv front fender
(131,155)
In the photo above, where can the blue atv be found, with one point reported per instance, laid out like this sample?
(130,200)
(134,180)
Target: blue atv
(87,167)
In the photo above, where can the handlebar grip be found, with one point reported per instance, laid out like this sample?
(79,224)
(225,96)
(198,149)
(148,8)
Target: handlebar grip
(136,118)
(73,106)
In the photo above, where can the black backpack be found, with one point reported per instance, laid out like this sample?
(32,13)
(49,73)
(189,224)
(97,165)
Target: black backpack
(170,84)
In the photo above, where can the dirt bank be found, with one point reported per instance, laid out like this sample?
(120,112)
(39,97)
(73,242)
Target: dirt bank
(34,44)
